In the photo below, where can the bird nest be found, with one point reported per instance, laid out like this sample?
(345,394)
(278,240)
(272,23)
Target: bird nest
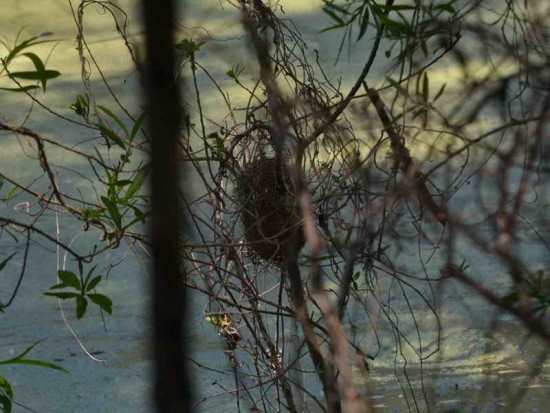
(268,210)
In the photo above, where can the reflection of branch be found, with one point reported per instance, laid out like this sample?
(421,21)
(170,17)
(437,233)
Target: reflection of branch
(23,268)
(352,400)
(27,132)
(278,112)
(527,317)
(7,221)
(403,156)
(353,91)
(43,161)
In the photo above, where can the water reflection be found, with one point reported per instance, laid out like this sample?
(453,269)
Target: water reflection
(471,370)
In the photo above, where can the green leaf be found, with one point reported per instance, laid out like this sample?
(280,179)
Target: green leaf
(89,275)
(15,51)
(62,295)
(446,7)
(23,45)
(38,64)
(235,72)
(5,399)
(19,89)
(425,88)
(123,182)
(103,302)
(81,106)
(110,135)
(12,193)
(95,281)
(397,86)
(21,360)
(348,236)
(364,24)
(81,305)
(326,29)
(139,214)
(137,126)
(329,4)
(3,263)
(58,286)
(69,278)
(41,75)
(23,354)
(137,183)
(440,92)
(116,119)
(39,363)
(189,47)
(113,212)
(6,387)
(397,7)
(328,9)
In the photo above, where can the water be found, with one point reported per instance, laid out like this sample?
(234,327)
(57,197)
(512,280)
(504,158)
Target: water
(472,372)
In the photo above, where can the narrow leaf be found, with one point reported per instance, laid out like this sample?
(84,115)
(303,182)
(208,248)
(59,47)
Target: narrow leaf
(81,305)
(58,286)
(116,119)
(69,278)
(102,301)
(23,45)
(334,16)
(137,126)
(6,387)
(62,296)
(425,88)
(110,135)
(95,281)
(15,51)
(137,182)
(36,75)
(113,211)
(39,363)
(38,64)
(123,182)
(6,404)
(19,89)
(363,26)
(3,263)
(440,92)
(12,193)
(397,86)
(89,275)
(23,354)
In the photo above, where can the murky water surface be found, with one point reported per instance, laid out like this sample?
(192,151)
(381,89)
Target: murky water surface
(471,373)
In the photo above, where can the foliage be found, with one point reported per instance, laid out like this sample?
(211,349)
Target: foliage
(40,74)
(6,391)
(83,288)
(398,181)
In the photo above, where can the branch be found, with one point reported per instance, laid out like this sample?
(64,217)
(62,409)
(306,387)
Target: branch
(527,317)
(403,156)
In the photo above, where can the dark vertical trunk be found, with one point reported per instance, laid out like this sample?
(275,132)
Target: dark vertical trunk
(172,386)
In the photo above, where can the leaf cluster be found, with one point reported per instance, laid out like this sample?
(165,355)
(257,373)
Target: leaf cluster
(82,291)
(40,72)
(6,390)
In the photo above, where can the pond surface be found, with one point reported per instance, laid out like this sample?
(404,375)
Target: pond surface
(473,372)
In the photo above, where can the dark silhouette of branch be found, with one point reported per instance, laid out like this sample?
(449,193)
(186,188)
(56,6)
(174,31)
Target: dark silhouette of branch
(172,385)
(404,158)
